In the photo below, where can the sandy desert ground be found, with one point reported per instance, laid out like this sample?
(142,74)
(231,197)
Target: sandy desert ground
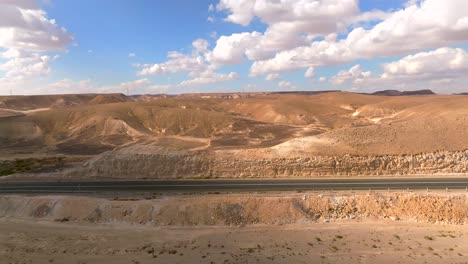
(346,241)
(310,227)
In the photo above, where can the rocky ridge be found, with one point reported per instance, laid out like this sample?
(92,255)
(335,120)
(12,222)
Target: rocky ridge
(160,163)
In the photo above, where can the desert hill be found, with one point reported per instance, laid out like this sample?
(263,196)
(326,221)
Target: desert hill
(404,93)
(31,102)
(258,126)
(353,123)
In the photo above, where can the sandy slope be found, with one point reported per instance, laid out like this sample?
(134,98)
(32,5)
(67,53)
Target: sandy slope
(345,123)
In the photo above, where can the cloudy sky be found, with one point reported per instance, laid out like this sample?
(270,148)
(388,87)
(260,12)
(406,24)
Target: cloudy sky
(177,46)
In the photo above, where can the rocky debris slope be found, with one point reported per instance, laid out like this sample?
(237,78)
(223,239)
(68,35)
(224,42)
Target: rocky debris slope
(160,163)
(347,165)
(236,209)
(146,161)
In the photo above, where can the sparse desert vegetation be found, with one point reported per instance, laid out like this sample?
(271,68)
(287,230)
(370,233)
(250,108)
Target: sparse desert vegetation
(46,242)
(47,164)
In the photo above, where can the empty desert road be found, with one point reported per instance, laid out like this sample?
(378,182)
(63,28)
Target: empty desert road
(234,185)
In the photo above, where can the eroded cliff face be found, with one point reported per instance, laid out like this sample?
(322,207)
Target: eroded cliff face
(238,209)
(151,162)
(428,163)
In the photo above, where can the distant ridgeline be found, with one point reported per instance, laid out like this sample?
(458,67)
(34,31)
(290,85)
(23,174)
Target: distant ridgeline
(399,93)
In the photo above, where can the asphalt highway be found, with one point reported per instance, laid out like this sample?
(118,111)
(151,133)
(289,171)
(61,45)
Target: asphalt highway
(233,185)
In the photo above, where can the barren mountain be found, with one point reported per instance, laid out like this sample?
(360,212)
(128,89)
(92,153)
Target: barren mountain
(31,102)
(258,128)
(399,93)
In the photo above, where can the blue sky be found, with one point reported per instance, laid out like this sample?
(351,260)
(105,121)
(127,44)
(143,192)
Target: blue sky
(149,29)
(246,45)
(113,29)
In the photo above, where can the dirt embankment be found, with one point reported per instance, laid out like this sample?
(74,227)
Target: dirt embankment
(242,210)
(159,163)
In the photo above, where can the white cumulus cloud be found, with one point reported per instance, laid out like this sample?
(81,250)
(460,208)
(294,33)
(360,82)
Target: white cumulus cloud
(421,25)
(24,26)
(134,85)
(354,75)
(309,73)
(443,70)
(26,34)
(232,49)
(210,77)
(272,77)
(287,85)
(443,63)
(22,66)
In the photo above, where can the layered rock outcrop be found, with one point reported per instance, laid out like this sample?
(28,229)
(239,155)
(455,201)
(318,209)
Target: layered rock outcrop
(151,162)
